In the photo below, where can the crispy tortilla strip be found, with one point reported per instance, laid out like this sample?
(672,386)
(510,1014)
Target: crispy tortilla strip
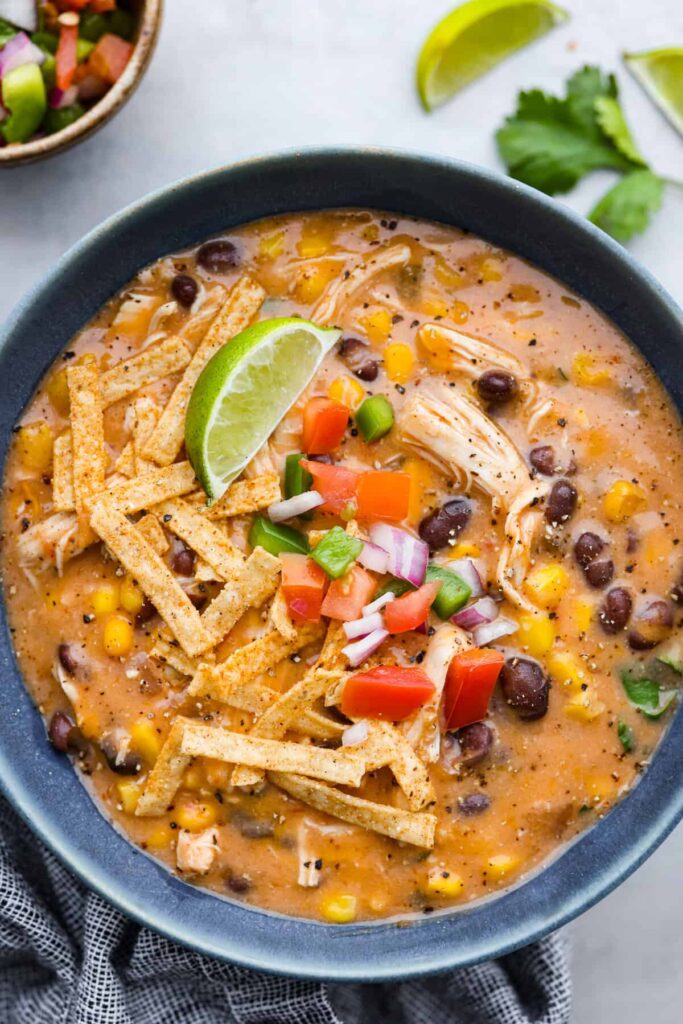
(246,496)
(87,439)
(206,538)
(165,776)
(169,652)
(154,577)
(279,617)
(63,474)
(255,584)
(169,356)
(125,463)
(145,416)
(407,827)
(150,489)
(385,745)
(200,740)
(151,529)
(204,573)
(329,309)
(241,306)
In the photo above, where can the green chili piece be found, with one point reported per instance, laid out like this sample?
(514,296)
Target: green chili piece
(23,93)
(454,592)
(56,120)
(336,552)
(276,538)
(297,479)
(375,418)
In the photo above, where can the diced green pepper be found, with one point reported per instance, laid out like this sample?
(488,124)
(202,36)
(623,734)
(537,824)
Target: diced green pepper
(454,592)
(92,26)
(375,418)
(23,93)
(276,538)
(83,49)
(122,23)
(626,737)
(336,551)
(56,120)
(395,587)
(297,479)
(48,70)
(46,41)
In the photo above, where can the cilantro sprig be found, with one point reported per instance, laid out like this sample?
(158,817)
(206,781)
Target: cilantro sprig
(551,143)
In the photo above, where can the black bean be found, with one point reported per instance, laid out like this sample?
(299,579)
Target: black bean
(600,572)
(497,386)
(59,730)
(359,359)
(84,750)
(126,764)
(446,523)
(147,612)
(183,561)
(474,803)
(475,742)
(632,540)
(651,626)
(587,548)
(252,828)
(184,288)
(561,502)
(525,687)
(218,256)
(67,659)
(615,610)
(238,883)
(542,458)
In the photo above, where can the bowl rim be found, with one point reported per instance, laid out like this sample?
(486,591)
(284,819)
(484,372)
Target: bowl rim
(350,952)
(100,113)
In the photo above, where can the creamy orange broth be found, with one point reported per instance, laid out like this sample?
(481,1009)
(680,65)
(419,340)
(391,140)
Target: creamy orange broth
(545,779)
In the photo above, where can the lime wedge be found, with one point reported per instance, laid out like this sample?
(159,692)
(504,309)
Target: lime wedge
(660,72)
(244,391)
(475,37)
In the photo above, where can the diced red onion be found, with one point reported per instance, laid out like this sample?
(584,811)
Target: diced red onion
(408,556)
(361,627)
(295,506)
(478,614)
(467,571)
(22,13)
(17,51)
(356,733)
(58,98)
(362,649)
(374,558)
(491,631)
(379,603)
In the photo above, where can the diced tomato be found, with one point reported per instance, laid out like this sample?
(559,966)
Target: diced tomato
(325,423)
(102,6)
(67,60)
(470,681)
(345,598)
(336,484)
(110,56)
(72,5)
(391,692)
(383,495)
(411,610)
(303,587)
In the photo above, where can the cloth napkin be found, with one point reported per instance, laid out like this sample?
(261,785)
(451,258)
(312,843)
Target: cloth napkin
(68,957)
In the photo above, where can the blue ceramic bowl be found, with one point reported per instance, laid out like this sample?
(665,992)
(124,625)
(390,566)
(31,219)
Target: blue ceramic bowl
(43,786)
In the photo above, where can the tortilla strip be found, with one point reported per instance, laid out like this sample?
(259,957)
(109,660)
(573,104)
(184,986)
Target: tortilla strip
(155,579)
(405,826)
(150,489)
(279,617)
(63,474)
(385,745)
(169,652)
(125,462)
(246,496)
(145,415)
(153,363)
(87,439)
(152,531)
(254,585)
(165,776)
(200,740)
(208,540)
(241,306)
(204,573)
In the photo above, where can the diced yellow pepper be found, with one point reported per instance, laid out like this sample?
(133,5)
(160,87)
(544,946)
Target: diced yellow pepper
(547,585)
(377,325)
(582,615)
(145,740)
(491,269)
(566,671)
(195,815)
(36,442)
(459,312)
(585,373)
(445,274)
(105,600)
(421,480)
(501,865)
(130,596)
(316,239)
(159,838)
(347,390)
(399,361)
(58,392)
(444,883)
(583,708)
(312,281)
(129,794)
(271,246)
(463,549)
(339,909)
(536,633)
(623,500)
(118,637)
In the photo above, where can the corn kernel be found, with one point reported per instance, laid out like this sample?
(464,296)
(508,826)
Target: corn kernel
(57,390)
(582,615)
(584,708)
(105,600)
(271,246)
(118,637)
(129,794)
(130,596)
(348,391)
(377,326)
(421,480)
(195,815)
(491,270)
(217,773)
(159,838)
(370,232)
(434,307)
(145,740)
(459,312)
(312,282)
(193,778)
(444,883)
(398,362)
(524,293)
(465,550)
(547,585)
(340,909)
(566,671)
(445,274)
(599,787)
(435,349)
(623,500)
(501,865)
(585,373)
(536,634)
(316,240)
(36,441)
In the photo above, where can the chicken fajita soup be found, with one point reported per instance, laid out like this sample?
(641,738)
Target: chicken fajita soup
(341,556)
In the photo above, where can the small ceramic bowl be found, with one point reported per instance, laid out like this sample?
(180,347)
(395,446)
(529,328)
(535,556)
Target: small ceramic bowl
(148,13)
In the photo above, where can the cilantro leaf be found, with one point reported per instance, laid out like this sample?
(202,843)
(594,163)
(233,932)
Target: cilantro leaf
(626,208)
(611,119)
(626,737)
(646,695)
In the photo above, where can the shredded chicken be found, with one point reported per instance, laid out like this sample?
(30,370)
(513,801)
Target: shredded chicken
(196,851)
(309,863)
(51,541)
(468,355)
(329,309)
(422,728)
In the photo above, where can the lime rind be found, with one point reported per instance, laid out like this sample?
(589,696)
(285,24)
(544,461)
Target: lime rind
(473,38)
(245,390)
(660,73)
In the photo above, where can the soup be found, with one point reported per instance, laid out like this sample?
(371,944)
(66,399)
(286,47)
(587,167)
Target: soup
(422,640)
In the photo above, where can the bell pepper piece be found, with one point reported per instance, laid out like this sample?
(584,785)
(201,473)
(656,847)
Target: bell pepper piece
(383,495)
(391,692)
(336,551)
(325,423)
(23,93)
(454,592)
(109,58)
(276,538)
(67,56)
(470,680)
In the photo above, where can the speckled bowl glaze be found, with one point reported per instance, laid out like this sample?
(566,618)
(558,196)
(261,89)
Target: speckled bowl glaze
(149,22)
(43,786)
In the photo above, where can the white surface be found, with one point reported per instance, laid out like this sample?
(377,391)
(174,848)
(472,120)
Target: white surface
(234,78)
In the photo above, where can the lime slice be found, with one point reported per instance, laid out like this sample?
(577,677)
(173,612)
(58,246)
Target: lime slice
(475,37)
(660,72)
(244,391)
